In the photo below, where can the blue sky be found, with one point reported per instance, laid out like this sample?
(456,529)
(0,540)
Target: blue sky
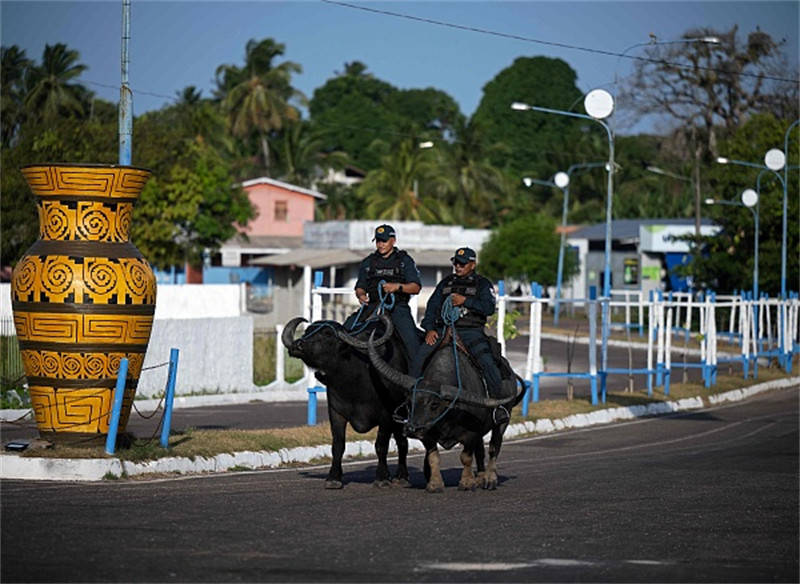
(176,44)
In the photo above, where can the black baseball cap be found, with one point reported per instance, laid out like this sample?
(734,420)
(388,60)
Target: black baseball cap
(384,232)
(464,255)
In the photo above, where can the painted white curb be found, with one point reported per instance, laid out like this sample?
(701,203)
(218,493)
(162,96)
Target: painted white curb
(14,466)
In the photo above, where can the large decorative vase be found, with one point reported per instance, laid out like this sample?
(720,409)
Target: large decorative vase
(83,297)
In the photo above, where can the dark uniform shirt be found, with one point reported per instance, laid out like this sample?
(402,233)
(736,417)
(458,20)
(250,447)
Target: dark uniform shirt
(398,267)
(479,303)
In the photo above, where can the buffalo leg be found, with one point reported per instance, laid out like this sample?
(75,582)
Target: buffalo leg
(435,483)
(496,441)
(338,427)
(480,461)
(382,450)
(467,482)
(401,476)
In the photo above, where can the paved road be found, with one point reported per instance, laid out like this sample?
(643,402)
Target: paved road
(254,415)
(707,496)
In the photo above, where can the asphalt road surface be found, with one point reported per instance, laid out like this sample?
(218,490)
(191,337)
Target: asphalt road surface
(706,496)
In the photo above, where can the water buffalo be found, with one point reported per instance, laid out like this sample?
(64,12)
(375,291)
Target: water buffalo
(355,392)
(449,406)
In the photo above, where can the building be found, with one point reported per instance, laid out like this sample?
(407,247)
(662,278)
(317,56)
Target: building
(644,253)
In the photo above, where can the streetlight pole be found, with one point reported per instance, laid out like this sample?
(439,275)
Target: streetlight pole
(786,175)
(750,201)
(599,105)
(564,211)
(774,161)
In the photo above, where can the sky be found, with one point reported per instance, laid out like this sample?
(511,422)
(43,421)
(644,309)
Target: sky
(453,46)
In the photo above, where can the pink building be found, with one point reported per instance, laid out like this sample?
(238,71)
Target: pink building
(281,208)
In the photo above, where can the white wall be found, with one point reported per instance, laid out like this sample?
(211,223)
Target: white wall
(177,301)
(215,356)
(206,325)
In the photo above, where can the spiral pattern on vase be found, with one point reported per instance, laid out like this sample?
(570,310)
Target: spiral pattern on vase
(100,277)
(54,221)
(94,223)
(57,277)
(83,296)
(23,279)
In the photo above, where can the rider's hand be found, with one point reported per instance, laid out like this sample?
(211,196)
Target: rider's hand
(362,297)
(431,337)
(391,287)
(457,299)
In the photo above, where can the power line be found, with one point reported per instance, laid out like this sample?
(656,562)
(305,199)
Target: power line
(541,42)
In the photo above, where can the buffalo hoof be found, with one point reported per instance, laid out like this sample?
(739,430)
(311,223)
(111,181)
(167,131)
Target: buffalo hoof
(467,486)
(490,485)
(401,482)
(431,488)
(382,484)
(332,484)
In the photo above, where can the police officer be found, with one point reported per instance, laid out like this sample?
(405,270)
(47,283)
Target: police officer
(400,276)
(473,295)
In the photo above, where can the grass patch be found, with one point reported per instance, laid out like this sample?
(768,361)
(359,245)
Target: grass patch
(192,443)
(265,347)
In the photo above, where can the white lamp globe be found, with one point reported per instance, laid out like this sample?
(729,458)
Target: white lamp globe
(775,159)
(599,104)
(561,179)
(750,198)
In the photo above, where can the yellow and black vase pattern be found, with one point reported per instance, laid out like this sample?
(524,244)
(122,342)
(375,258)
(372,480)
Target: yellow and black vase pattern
(83,296)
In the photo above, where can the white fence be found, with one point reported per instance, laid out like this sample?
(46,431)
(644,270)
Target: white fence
(217,351)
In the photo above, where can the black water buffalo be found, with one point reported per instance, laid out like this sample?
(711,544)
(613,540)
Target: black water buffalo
(356,393)
(449,406)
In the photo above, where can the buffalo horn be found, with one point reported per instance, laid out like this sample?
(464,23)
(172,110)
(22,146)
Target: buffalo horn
(287,338)
(359,344)
(387,371)
(452,392)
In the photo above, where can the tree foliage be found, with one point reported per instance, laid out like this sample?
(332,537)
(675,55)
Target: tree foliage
(526,250)
(529,135)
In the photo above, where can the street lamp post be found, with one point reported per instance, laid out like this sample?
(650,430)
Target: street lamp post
(750,199)
(786,169)
(565,181)
(774,161)
(599,105)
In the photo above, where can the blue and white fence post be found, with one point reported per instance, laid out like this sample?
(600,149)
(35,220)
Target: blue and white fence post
(169,397)
(119,394)
(593,342)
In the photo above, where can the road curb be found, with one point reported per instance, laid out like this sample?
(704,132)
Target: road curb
(14,466)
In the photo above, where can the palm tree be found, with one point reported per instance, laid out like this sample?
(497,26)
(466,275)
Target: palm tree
(51,92)
(392,192)
(13,72)
(255,97)
(476,191)
(299,154)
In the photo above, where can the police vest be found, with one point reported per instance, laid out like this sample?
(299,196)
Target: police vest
(391,269)
(466,286)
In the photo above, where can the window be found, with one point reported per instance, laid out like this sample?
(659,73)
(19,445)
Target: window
(281,211)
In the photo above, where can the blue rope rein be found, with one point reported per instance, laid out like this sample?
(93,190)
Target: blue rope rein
(450,314)
(387,302)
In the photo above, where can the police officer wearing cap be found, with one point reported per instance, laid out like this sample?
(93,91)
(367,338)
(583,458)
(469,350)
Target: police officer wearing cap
(473,295)
(396,273)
